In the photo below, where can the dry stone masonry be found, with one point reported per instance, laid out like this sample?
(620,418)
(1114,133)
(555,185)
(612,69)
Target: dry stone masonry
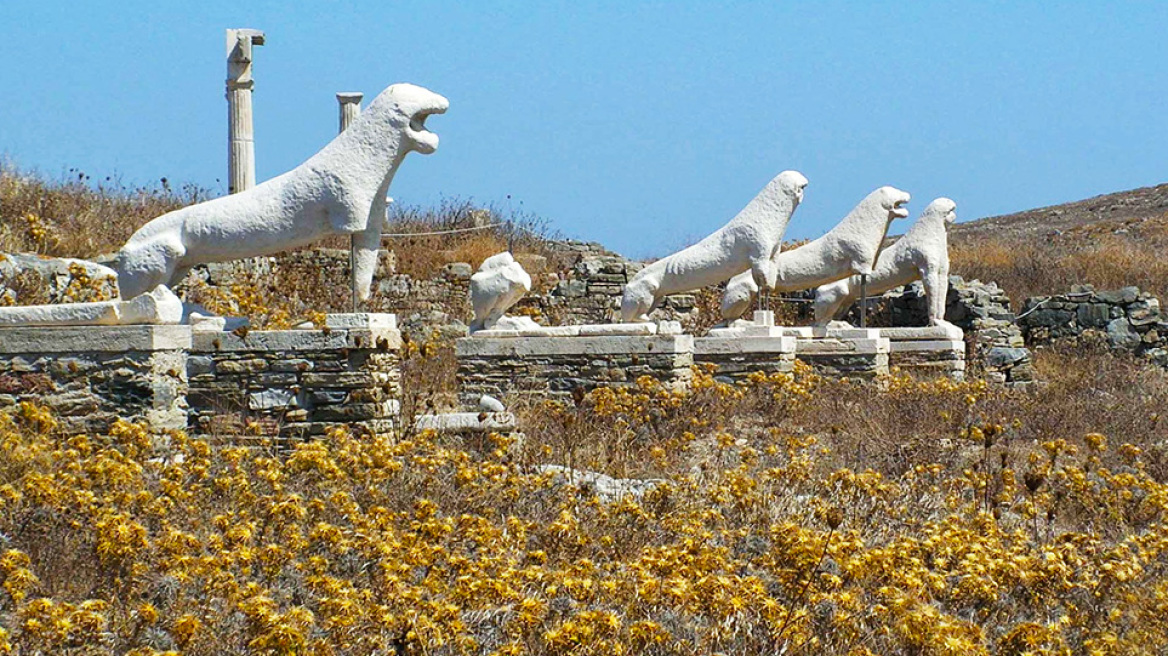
(556,366)
(297,383)
(93,375)
(1126,319)
(289,383)
(995,347)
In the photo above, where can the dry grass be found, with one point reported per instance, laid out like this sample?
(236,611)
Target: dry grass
(76,217)
(1108,255)
(423,256)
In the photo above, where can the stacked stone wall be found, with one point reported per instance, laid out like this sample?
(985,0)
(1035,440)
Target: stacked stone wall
(294,383)
(93,375)
(995,346)
(1126,320)
(556,367)
(735,360)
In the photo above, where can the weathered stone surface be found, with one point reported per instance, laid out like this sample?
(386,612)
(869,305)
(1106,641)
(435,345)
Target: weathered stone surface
(580,346)
(843,357)
(734,359)
(1121,296)
(31,279)
(466,422)
(922,333)
(271,399)
(81,339)
(300,382)
(923,356)
(94,375)
(1127,317)
(1002,356)
(704,346)
(606,488)
(1093,315)
(366,320)
(499,283)
(555,366)
(1121,335)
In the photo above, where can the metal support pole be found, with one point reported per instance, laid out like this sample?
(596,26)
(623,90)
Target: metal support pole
(240,133)
(350,106)
(863,300)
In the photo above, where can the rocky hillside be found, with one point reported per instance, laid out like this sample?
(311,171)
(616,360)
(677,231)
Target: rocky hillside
(1108,241)
(1136,205)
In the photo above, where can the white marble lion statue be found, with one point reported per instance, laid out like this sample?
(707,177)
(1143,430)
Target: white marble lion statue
(340,190)
(746,244)
(921,254)
(848,248)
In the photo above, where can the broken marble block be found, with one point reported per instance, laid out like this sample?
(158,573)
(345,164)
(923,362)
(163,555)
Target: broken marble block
(499,283)
(157,307)
(31,279)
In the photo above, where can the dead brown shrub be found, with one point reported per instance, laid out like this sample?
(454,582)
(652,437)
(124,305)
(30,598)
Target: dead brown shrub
(77,217)
(1104,255)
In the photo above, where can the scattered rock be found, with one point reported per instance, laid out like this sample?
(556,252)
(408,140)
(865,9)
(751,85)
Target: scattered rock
(606,488)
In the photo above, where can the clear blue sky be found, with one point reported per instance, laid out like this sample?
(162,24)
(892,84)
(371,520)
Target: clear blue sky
(641,125)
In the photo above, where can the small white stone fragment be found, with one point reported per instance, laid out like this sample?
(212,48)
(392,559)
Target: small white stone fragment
(488,403)
(466,422)
(604,329)
(158,307)
(206,324)
(271,399)
(370,320)
(606,488)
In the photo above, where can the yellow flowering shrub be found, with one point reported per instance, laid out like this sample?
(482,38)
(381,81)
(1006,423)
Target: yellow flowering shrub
(774,518)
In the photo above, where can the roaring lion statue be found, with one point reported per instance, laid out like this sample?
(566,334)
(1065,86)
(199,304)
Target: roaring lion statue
(746,244)
(921,254)
(341,190)
(848,248)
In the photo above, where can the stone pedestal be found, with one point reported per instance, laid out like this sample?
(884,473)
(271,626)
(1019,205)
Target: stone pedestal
(928,350)
(836,352)
(92,375)
(296,383)
(555,364)
(736,355)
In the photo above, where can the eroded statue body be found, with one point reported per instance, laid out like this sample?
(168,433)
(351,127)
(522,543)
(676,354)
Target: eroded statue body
(746,244)
(498,284)
(848,248)
(340,190)
(921,254)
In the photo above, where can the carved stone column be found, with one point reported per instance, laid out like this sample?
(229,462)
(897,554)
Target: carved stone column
(240,135)
(350,102)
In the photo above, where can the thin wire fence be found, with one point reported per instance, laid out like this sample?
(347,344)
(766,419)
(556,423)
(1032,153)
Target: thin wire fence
(434,233)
